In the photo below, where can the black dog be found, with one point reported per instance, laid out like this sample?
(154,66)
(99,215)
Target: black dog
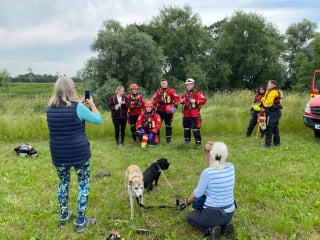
(153,172)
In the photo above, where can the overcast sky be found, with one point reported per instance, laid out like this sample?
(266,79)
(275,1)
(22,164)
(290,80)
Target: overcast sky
(54,36)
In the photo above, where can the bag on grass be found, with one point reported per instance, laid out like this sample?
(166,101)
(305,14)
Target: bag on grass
(26,150)
(198,203)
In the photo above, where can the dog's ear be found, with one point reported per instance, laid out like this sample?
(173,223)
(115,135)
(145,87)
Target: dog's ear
(161,160)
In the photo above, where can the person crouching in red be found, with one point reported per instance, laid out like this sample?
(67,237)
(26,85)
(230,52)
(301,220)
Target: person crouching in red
(148,126)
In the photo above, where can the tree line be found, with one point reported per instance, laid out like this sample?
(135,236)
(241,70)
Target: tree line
(240,52)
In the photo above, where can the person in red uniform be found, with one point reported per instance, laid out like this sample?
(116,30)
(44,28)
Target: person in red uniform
(148,126)
(255,111)
(192,100)
(166,101)
(136,107)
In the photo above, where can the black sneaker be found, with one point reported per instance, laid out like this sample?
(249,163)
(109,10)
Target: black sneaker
(229,232)
(215,233)
(134,137)
(79,227)
(198,145)
(168,140)
(186,142)
(65,219)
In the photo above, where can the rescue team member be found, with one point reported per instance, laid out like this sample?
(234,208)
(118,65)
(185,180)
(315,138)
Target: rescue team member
(272,104)
(255,111)
(192,100)
(148,126)
(166,101)
(118,105)
(136,106)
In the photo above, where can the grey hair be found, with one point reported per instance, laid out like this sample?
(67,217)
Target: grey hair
(274,82)
(64,91)
(218,155)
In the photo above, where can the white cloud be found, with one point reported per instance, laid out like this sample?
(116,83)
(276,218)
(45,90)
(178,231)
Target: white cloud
(63,30)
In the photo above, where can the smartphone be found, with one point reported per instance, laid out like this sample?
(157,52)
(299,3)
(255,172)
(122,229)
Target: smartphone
(87,94)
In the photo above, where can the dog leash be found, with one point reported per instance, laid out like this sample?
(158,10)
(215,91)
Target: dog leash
(166,179)
(178,206)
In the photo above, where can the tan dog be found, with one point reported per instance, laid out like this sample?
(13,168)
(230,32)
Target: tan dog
(134,186)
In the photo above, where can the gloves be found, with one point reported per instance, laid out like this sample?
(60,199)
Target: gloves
(174,110)
(151,136)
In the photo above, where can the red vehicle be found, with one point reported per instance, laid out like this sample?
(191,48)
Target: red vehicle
(311,116)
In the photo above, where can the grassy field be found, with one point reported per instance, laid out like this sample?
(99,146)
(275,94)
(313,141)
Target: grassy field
(276,189)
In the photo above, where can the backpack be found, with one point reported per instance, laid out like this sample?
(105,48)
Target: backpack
(26,150)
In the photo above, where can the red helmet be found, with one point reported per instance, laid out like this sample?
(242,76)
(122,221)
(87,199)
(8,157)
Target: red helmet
(148,104)
(134,86)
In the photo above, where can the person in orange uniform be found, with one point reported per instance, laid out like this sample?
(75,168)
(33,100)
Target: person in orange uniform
(148,126)
(271,102)
(166,101)
(192,100)
(136,107)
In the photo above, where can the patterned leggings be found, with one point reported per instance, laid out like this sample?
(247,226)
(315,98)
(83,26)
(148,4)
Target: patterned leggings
(83,173)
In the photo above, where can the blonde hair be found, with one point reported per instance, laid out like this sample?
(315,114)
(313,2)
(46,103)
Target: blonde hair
(218,155)
(64,90)
(118,89)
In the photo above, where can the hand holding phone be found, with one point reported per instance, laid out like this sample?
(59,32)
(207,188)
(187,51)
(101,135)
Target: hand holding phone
(87,94)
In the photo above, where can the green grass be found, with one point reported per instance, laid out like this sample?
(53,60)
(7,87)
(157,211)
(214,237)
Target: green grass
(276,189)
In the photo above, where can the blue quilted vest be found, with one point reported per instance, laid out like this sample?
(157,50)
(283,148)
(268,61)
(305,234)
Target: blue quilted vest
(68,143)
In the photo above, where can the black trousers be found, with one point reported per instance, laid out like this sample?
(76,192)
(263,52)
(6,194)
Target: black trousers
(252,123)
(167,118)
(190,123)
(272,132)
(133,119)
(203,219)
(119,129)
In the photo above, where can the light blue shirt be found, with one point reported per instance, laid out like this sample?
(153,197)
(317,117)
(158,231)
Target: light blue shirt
(218,185)
(85,114)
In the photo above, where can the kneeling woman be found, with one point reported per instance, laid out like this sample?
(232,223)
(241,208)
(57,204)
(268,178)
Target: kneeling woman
(213,198)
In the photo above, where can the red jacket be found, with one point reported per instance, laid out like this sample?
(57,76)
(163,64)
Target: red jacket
(257,98)
(163,97)
(150,122)
(189,109)
(121,112)
(136,104)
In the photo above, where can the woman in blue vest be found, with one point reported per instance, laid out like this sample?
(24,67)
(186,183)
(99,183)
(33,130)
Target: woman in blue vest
(69,147)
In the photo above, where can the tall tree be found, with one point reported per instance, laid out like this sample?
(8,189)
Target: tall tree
(305,64)
(124,56)
(247,52)
(185,43)
(298,36)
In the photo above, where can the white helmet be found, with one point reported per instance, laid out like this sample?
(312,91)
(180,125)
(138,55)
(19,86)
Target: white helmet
(189,81)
